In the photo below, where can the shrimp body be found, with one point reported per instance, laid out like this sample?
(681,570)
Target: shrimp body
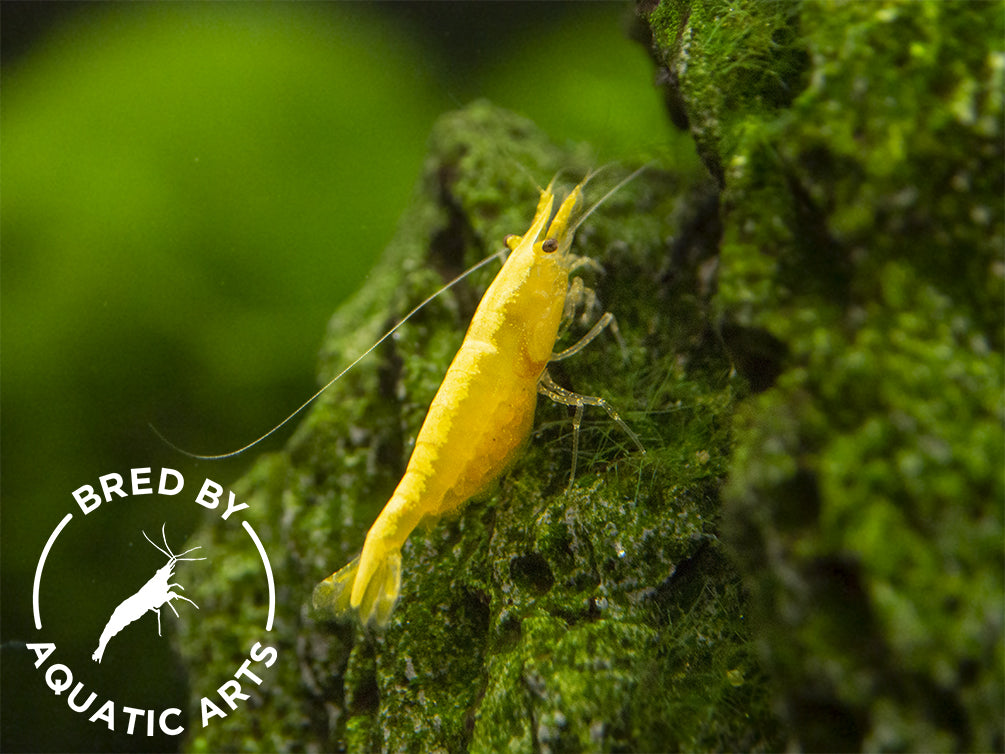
(150,597)
(482,413)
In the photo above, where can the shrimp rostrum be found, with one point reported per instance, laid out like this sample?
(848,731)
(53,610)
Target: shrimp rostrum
(483,412)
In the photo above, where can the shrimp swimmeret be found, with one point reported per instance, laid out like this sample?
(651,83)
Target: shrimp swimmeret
(484,409)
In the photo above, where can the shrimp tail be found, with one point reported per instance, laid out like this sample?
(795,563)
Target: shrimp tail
(111,629)
(121,617)
(380,593)
(332,594)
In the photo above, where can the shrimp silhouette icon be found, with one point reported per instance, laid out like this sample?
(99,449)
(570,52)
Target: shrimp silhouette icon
(151,596)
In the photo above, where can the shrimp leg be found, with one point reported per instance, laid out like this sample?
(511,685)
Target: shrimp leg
(547,386)
(604,321)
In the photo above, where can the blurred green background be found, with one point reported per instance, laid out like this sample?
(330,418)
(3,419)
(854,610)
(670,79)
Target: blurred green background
(188,192)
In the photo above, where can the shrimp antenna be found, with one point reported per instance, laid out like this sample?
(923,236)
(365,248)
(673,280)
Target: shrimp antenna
(499,254)
(526,171)
(164,536)
(168,551)
(620,185)
(179,555)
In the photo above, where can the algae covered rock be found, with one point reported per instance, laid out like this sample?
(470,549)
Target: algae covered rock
(813,353)
(601,616)
(860,290)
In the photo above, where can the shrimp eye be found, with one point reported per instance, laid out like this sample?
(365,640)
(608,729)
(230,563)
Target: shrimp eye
(549,245)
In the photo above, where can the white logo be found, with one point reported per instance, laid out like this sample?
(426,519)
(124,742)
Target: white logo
(151,596)
(163,588)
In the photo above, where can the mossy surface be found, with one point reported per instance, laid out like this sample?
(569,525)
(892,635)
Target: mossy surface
(860,291)
(813,354)
(601,617)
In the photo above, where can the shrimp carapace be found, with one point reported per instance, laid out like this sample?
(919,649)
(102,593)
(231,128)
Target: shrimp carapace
(484,409)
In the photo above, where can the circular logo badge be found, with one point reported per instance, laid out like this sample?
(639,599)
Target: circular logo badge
(160,571)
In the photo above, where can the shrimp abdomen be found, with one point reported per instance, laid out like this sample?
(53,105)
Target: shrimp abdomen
(475,427)
(129,610)
(335,591)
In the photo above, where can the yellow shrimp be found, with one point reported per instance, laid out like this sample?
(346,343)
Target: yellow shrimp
(483,412)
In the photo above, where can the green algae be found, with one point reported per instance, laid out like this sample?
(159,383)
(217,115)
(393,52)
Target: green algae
(861,293)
